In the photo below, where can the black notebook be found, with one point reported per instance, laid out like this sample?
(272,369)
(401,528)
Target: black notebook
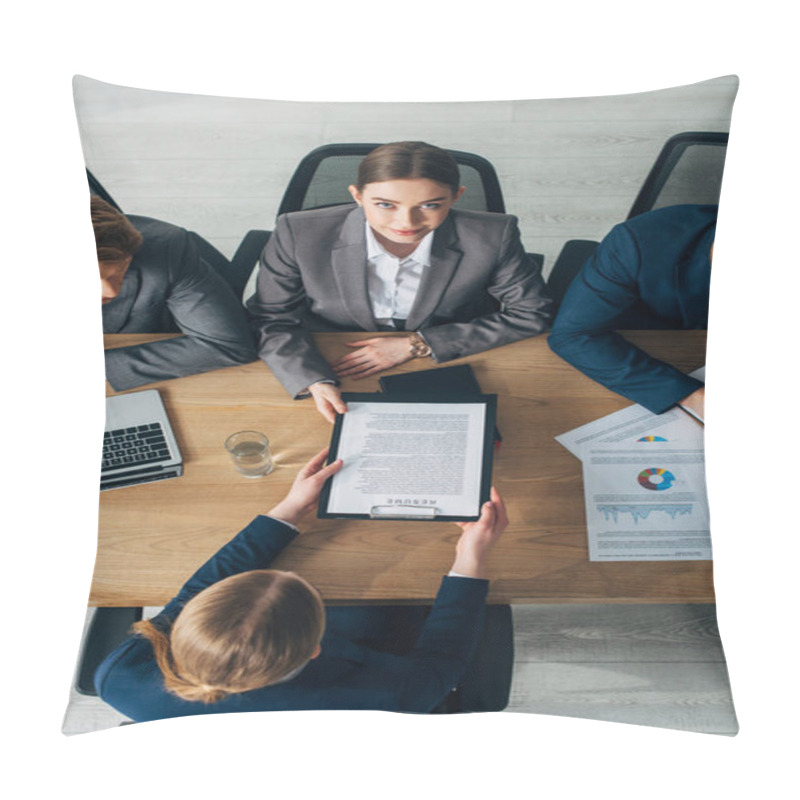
(456,379)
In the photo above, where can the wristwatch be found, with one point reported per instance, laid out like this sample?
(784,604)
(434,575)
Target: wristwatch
(419,347)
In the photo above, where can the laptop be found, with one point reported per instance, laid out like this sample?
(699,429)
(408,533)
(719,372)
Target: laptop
(139,445)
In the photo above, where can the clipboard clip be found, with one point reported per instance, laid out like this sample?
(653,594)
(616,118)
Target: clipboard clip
(402,512)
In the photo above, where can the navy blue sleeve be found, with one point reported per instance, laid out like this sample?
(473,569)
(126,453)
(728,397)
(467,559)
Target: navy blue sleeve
(253,548)
(128,678)
(445,645)
(584,330)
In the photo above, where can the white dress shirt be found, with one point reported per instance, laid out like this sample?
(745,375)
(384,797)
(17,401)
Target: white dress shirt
(393,282)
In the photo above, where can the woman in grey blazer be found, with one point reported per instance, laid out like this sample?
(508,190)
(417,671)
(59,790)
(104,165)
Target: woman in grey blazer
(450,282)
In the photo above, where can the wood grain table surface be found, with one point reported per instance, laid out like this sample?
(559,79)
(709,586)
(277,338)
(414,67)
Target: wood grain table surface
(153,536)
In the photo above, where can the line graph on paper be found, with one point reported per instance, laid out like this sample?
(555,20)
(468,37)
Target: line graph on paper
(637,512)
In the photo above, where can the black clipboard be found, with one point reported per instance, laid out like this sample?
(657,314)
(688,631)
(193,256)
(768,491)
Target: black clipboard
(411,511)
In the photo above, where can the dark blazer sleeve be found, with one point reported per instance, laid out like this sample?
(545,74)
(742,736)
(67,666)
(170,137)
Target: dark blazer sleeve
(127,679)
(255,547)
(517,286)
(280,318)
(584,331)
(204,308)
(445,645)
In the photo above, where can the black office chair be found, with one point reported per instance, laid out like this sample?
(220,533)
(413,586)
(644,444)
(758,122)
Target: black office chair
(108,629)
(95,187)
(322,177)
(688,170)
(213,257)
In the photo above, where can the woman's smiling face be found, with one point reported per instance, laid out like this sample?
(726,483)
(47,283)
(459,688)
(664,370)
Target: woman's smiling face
(404,211)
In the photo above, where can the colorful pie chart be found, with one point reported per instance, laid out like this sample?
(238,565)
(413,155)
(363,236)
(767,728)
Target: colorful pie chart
(652,439)
(656,479)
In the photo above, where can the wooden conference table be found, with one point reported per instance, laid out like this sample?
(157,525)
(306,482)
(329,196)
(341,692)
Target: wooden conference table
(153,536)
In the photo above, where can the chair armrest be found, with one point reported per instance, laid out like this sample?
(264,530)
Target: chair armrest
(537,259)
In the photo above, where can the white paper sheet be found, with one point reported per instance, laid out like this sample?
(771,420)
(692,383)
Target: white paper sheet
(636,422)
(646,501)
(417,456)
(644,485)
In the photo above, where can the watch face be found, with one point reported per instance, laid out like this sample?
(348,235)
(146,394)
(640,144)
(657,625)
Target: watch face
(419,349)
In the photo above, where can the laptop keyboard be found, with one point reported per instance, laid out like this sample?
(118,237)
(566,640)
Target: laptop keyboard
(144,444)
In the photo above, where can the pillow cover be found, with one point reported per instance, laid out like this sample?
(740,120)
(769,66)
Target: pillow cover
(569,170)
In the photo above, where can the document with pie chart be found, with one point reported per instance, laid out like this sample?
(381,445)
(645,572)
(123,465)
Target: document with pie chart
(646,501)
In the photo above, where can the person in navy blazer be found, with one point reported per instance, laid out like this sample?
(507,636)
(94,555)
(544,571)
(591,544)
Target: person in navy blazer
(359,662)
(153,280)
(650,272)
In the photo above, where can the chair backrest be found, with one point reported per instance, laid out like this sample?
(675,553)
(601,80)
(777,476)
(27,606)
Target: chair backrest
(688,170)
(322,177)
(95,187)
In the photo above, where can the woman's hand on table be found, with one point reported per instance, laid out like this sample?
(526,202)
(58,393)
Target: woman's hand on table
(695,403)
(304,494)
(373,355)
(328,399)
(478,538)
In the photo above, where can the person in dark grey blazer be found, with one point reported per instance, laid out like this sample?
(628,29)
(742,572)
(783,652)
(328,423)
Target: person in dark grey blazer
(450,283)
(154,281)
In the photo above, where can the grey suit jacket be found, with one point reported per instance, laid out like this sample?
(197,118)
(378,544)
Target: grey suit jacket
(168,288)
(480,291)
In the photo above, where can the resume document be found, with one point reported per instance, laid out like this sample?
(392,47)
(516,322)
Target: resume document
(416,460)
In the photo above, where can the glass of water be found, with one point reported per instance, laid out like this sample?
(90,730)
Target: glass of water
(250,453)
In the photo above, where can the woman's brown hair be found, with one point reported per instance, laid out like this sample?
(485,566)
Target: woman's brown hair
(246,632)
(114,235)
(401,160)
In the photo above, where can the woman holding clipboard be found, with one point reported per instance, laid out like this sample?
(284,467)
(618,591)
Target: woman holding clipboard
(242,637)
(403,259)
